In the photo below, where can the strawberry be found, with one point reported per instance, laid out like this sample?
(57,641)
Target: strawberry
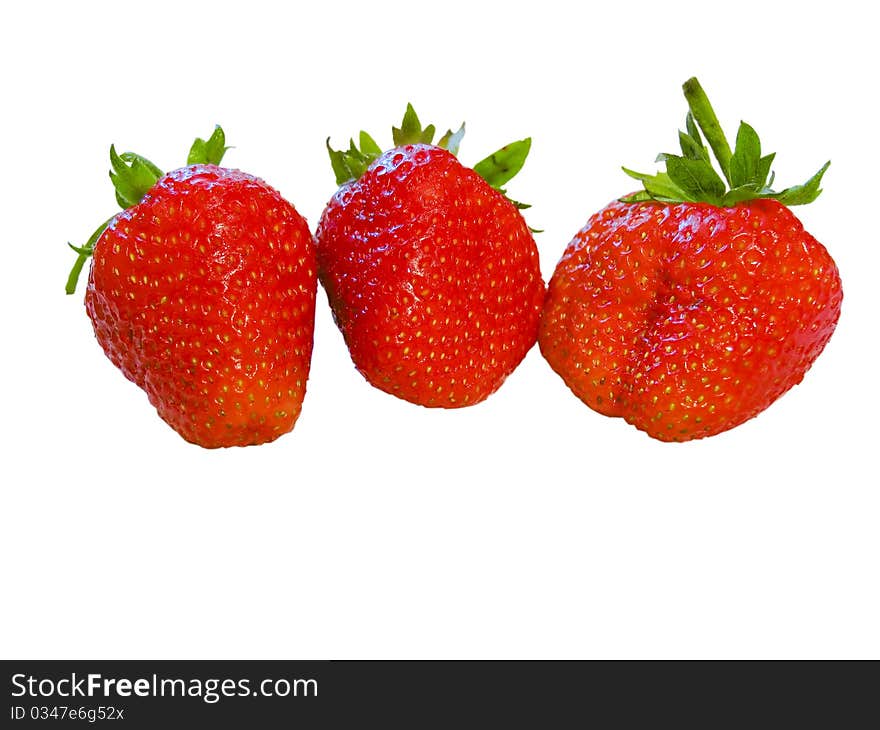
(431,272)
(202,291)
(688,308)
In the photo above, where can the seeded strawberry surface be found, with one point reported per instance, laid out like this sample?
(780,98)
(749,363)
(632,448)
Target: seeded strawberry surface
(687,319)
(433,277)
(203,295)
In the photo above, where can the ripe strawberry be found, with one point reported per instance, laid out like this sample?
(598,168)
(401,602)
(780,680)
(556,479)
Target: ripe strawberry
(202,291)
(431,272)
(689,308)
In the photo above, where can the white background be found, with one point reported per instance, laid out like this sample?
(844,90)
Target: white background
(527,526)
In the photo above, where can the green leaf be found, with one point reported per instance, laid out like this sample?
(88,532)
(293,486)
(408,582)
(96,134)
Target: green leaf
(657,187)
(80,249)
(357,161)
(740,194)
(132,176)
(696,178)
(410,131)
(368,145)
(693,130)
(501,166)
(337,162)
(745,163)
(197,153)
(75,271)
(452,140)
(642,196)
(802,194)
(210,151)
(764,170)
(350,164)
(691,148)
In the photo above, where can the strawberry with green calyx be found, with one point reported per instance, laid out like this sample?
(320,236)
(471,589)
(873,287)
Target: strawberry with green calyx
(431,272)
(202,292)
(132,176)
(689,307)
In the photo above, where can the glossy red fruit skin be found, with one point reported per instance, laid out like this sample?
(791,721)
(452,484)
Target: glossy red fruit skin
(433,278)
(203,294)
(688,319)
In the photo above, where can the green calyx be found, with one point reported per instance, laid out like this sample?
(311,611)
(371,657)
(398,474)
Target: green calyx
(132,176)
(350,164)
(690,177)
(497,169)
(209,151)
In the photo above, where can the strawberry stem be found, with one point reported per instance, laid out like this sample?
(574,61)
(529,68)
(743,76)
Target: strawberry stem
(705,116)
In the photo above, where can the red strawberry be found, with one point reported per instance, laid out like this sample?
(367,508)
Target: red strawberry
(431,272)
(689,308)
(202,291)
